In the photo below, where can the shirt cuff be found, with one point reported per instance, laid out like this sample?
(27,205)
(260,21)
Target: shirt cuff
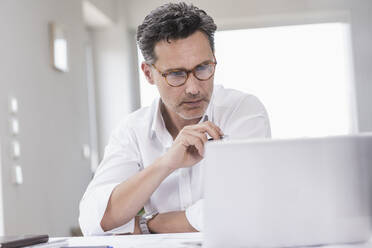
(194,215)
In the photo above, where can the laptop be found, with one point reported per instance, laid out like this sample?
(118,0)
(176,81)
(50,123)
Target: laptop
(283,193)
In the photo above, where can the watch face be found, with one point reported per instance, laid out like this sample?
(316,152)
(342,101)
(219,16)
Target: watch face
(150,216)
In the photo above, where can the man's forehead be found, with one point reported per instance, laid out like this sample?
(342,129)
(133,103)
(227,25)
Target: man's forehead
(190,51)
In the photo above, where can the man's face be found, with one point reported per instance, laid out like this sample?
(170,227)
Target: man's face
(190,100)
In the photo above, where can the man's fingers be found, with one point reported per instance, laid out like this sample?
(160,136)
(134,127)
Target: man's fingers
(202,135)
(206,127)
(192,139)
(214,131)
(200,147)
(202,138)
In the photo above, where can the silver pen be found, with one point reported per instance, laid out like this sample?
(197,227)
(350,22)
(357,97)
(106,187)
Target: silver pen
(225,136)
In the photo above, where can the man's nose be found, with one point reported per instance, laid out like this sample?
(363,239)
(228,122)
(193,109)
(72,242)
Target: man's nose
(192,85)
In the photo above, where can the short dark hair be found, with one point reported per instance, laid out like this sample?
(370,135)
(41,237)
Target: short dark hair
(173,21)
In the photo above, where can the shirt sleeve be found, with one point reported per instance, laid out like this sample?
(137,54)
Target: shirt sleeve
(121,161)
(249,120)
(194,215)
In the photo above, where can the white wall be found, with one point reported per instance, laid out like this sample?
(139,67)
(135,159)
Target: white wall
(107,7)
(115,74)
(53,117)
(261,13)
(1,195)
(243,13)
(99,13)
(361,21)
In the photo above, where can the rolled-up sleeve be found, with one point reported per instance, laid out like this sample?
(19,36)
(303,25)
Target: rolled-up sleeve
(194,215)
(120,162)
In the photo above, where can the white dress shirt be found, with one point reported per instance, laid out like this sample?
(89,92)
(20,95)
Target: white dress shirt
(142,138)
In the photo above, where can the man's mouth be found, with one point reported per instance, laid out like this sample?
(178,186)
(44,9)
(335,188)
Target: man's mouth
(193,103)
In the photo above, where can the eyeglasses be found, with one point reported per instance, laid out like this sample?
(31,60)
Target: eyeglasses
(178,77)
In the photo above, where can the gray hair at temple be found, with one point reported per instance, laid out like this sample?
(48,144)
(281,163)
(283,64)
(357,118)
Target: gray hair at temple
(172,21)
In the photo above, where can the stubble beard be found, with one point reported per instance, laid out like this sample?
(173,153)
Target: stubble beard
(183,113)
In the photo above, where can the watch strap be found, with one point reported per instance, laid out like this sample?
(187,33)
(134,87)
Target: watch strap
(144,219)
(143,225)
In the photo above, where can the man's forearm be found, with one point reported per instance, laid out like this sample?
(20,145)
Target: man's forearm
(130,196)
(171,222)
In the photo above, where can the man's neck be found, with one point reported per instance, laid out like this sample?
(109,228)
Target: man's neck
(175,123)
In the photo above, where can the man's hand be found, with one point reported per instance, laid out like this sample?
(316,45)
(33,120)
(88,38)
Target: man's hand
(188,147)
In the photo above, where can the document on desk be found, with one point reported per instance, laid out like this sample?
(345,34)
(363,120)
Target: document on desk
(164,240)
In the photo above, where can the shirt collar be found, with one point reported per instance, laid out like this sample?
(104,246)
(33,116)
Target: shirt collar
(157,121)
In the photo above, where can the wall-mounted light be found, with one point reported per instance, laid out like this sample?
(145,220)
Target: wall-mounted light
(13,105)
(14,126)
(15,150)
(58,47)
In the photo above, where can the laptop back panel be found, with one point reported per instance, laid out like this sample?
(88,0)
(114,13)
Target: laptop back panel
(286,192)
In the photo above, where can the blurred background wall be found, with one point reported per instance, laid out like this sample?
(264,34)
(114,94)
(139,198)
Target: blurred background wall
(52,115)
(65,119)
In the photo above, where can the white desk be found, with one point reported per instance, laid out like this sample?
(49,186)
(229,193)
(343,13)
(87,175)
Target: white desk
(181,240)
(142,241)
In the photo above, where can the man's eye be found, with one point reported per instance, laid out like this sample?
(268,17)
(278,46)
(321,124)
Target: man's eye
(202,67)
(177,74)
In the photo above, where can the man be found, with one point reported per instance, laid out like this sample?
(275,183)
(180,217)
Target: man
(154,159)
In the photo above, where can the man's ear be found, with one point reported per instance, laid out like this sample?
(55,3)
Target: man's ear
(146,68)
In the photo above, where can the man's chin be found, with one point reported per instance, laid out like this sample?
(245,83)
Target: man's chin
(191,115)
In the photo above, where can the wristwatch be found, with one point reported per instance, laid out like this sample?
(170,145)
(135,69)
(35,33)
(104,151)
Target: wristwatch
(144,219)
